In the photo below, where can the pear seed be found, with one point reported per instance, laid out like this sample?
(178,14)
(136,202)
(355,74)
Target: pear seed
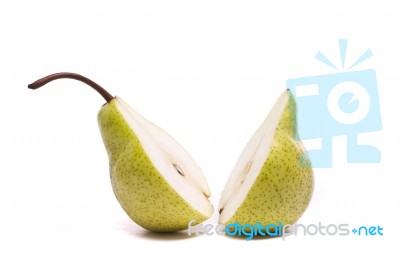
(179,170)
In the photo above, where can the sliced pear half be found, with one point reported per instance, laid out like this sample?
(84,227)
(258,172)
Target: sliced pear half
(154,179)
(272,181)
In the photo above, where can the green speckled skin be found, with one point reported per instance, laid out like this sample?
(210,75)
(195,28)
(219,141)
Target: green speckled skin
(283,189)
(140,189)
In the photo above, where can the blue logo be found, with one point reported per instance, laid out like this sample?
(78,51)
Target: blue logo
(343,103)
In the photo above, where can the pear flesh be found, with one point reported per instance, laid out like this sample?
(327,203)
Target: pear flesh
(273,180)
(155,180)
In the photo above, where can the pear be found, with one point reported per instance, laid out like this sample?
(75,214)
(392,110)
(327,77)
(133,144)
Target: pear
(273,180)
(154,179)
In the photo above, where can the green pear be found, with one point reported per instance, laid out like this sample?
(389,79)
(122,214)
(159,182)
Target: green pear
(273,180)
(154,179)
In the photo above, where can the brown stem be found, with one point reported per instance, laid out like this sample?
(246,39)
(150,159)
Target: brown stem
(43,81)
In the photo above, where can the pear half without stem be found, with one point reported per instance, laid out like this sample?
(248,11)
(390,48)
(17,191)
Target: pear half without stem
(155,180)
(273,180)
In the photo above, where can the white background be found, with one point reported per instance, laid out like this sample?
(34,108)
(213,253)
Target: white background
(207,72)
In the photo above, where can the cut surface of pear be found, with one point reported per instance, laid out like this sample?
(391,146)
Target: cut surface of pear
(272,180)
(155,180)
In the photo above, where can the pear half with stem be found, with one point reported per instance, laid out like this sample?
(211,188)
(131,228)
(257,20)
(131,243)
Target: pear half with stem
(273,180)
(155,180)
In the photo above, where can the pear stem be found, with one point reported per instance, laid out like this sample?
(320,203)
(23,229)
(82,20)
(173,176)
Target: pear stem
(43,81)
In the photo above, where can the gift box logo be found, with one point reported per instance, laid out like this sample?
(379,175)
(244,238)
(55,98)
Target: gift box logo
(343,103)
